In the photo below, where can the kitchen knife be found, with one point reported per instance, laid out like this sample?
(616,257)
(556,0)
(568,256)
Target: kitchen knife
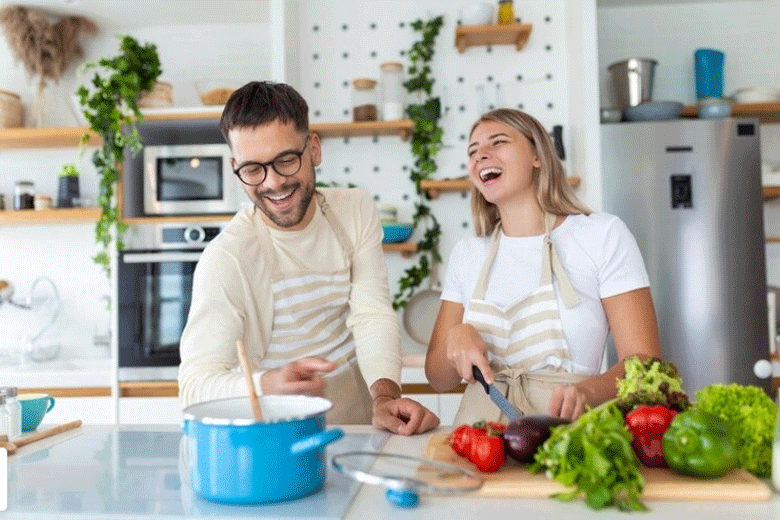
(507,408)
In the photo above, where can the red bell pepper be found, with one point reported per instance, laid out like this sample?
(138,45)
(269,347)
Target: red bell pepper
(487,448)
(648,424)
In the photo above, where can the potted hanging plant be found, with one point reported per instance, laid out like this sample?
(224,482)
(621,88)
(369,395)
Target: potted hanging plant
(68,188)
(109,103)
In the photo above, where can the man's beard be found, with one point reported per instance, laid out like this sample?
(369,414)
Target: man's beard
(293,216)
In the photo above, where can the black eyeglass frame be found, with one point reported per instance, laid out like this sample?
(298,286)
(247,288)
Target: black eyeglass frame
(265,165)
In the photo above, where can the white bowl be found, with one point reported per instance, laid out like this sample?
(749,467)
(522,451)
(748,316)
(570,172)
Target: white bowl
(756,95)
(477,13)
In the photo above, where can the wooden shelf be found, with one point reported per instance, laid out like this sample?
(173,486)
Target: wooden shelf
(472,35)
(771,192)
(179,218)
(402,128)
(764,112)
(48,216)
(22,138)
(405,248)
(70,137)
(436,187)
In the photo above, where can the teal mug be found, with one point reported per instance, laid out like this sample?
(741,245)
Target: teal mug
(34,407)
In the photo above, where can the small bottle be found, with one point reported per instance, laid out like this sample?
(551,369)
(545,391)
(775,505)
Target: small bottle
(506,12)
(364,100)
(392,90)
(13,410)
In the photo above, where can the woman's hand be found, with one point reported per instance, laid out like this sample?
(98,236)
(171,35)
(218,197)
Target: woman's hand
(466,348)
(568,401)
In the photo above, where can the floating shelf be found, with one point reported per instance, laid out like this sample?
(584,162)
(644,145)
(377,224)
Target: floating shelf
(771,192)
(405,248)
(49,216)
(70,137)
(472,35)
(436,187)
(67,137)
(764,112)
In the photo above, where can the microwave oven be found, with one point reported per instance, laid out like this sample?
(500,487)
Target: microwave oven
(191,179)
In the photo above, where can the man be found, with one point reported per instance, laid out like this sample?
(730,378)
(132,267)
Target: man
(300,278)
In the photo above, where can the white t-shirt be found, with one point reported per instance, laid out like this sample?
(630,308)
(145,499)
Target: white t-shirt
(599,254)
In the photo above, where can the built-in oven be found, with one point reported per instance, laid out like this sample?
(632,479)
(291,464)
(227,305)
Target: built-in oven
(155,274)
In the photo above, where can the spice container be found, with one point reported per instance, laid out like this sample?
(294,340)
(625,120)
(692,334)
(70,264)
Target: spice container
(506,12)
(13,409)
(364,100)
(42,202)
(24,195)
(392,90)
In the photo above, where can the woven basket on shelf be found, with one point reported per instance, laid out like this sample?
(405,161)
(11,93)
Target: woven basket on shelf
(10,110)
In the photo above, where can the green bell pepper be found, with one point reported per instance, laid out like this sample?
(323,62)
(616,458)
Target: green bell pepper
(698,443)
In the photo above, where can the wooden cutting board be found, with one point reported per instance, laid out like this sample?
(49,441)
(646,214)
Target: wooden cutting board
(513,480)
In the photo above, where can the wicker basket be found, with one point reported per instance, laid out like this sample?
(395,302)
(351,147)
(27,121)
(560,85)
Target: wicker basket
(10,110)
(161,95)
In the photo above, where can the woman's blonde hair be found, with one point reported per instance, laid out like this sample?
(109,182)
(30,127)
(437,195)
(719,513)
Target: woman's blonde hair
(553,192)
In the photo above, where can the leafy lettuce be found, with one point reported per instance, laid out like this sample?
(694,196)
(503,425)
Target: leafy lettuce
(751,415)
(650,382)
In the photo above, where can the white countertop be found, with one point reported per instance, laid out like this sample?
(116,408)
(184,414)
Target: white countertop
(124,476)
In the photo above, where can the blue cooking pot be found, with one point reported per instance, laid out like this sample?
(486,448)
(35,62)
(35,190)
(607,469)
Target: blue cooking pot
(234,459)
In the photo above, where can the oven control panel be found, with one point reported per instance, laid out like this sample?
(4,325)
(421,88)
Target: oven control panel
(186,236)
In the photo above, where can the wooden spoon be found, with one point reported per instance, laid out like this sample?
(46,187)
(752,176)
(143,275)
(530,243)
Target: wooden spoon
(11,447)
(250,385)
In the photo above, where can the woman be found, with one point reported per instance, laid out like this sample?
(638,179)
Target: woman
(530,300)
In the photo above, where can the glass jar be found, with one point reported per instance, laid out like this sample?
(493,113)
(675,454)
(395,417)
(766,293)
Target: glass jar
(392,90)
(506,12)
(13,410)
(4,419)
(364,99)
(24,195)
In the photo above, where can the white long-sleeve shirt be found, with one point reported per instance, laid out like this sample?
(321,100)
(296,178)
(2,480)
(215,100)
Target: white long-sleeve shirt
(232,299)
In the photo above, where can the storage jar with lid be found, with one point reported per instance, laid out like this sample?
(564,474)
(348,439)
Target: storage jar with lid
(364,100)
(24,195)
(392,90)
(13,409)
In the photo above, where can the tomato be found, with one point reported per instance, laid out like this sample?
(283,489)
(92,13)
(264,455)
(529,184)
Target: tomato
(459,440)
(487,452)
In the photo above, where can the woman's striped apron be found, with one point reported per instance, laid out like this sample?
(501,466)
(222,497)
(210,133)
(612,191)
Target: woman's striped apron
(526,346)
(310,315)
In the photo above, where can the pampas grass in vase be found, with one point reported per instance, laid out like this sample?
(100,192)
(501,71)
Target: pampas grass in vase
(44,46)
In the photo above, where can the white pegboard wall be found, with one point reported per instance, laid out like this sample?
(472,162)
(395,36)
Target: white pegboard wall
(340,42)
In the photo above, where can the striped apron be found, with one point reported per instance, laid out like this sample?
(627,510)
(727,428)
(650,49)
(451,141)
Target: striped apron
(310,315)
(527,349)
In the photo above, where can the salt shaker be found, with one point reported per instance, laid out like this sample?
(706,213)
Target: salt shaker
(13,409)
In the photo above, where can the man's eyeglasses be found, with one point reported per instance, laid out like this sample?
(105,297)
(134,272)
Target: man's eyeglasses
(285,164)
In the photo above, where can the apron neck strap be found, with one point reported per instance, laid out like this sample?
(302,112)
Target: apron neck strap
(338,229)
(481,287)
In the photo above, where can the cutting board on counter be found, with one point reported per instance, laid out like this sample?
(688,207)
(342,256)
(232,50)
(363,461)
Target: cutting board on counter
(513,480)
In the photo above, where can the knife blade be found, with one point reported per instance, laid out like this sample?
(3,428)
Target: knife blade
(507,408)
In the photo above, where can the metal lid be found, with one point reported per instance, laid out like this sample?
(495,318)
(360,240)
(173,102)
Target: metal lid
(9,391)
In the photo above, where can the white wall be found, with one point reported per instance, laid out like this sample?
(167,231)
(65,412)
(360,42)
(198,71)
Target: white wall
(63,252)
(535,79)
(748,33)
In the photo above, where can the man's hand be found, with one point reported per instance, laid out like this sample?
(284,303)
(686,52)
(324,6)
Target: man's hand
(299,377)
(402,416)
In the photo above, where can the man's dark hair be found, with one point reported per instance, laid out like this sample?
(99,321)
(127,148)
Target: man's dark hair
(261,102)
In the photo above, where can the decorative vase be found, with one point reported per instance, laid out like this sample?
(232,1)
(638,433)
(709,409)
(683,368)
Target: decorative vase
(68,190)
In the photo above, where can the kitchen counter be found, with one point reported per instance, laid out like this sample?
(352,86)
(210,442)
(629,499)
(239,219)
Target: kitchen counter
(113,473)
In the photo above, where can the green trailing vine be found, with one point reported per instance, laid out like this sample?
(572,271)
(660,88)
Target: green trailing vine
(426,142)
(109,104)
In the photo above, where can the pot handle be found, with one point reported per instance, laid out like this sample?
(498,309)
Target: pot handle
(316,441)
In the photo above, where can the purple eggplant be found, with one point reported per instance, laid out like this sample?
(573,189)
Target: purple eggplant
(524,436)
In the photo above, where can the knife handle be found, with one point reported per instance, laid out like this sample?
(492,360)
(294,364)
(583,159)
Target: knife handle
(479,377)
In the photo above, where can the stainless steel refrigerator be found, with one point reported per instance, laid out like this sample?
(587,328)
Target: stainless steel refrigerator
(690,192)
